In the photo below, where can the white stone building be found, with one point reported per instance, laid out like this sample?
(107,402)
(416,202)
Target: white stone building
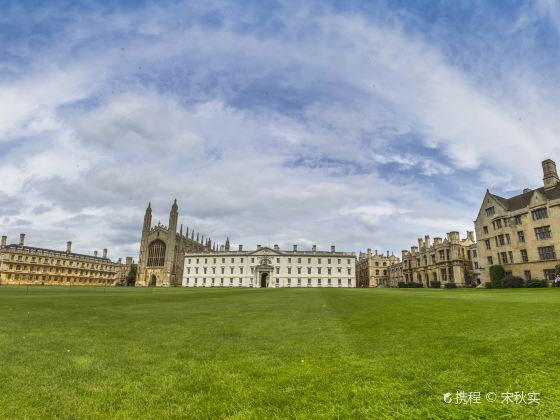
(269,267)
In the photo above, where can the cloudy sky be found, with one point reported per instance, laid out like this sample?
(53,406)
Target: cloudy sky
(360,124)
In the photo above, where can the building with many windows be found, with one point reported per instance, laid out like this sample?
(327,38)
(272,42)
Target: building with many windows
(522,233)
(445,260)
(21,264)
(372,270)
(269,268)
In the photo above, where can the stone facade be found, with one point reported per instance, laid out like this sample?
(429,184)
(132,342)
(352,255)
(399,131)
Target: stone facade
(522,233)
(372,270)
(269,268)
(477,271)
(445,260)
(21,264)
(162,250)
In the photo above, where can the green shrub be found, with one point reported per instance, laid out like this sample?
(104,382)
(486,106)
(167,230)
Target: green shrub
(450,286)
(416,285)
(497,273)
(435,284)
(510,281)
(488,285)
(402,285)
(537,283)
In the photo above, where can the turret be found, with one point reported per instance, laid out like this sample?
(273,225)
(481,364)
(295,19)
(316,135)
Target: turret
(148,218)
(68,247)
(227,244)
(4,240)
(21,239)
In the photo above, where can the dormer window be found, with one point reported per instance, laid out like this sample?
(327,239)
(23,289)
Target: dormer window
(490,211)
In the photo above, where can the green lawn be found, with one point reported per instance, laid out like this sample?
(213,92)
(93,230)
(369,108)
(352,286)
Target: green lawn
(248,353)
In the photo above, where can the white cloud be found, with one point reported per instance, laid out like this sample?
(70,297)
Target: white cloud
(285,135)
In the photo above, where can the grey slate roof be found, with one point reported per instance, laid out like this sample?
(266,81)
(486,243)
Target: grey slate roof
(521,201)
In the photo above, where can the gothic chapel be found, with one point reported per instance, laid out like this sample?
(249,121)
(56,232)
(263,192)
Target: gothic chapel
(162,250)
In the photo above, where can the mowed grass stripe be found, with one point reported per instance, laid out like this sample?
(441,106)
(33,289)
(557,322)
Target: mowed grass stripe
(305,353)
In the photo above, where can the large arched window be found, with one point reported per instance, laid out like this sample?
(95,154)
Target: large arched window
(156,254)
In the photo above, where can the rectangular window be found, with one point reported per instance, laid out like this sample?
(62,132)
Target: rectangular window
(289,270)
(501,240)
(498,224)
(510,254)
(517,220)
(543,232)
(527,274)
(547,253)
(490,261)
(485,229)
(308,270)
(503,257)
(490,211)
(521,236)
(289,260)
(486,242)
(539,214)
(549,274)
(524,256)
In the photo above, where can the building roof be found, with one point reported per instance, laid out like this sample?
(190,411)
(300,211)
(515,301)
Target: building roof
(521,201)
(32,250)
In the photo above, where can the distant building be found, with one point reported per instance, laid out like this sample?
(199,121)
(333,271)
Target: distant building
(522,233)
(162,250)
(445,260)
(372,270)
(21,264)
(269,268)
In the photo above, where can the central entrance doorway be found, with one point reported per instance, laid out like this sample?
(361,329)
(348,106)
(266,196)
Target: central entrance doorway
(264,279)
(152,280)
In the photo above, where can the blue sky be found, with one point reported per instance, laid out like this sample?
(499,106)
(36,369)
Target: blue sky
(360,124)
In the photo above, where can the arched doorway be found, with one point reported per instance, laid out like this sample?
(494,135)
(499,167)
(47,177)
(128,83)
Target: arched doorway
(264,279)
(152,280)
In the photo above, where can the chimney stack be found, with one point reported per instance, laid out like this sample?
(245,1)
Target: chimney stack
(332,248)
(295,248)
(4,240)
(128,260)
(276,247)
(314,248)
(369,252)
(240,247)
(21,239)
(68,247)
(550,174)
(104,252)
(95,253)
